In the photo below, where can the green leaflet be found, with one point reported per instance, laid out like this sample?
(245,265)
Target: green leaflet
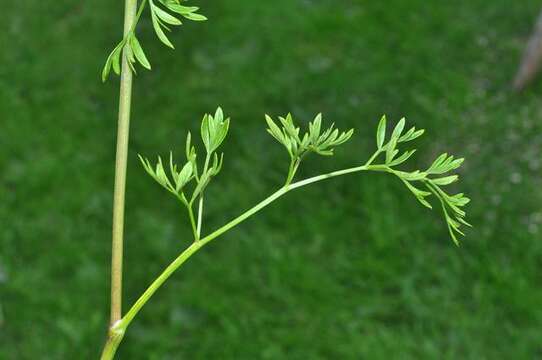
(157,25)
(214,130)
(195,17)
(138,52)
(411,134)
(314,128)
(165,16)
(390,150)
(445,180)
(274,130)
(184,176)
(398,130)
(419,194)
(401,159)
(182,10)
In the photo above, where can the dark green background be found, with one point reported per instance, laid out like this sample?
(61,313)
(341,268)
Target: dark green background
(346,269)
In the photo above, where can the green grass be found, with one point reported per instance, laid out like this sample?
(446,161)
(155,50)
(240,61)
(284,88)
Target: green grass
(388,288)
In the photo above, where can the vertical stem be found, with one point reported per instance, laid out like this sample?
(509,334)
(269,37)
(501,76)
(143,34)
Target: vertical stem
(291,171)
(192,221)
(120,171)
(200,215)
(200,202)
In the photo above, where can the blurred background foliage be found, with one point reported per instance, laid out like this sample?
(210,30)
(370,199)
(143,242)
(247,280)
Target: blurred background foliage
(350,268)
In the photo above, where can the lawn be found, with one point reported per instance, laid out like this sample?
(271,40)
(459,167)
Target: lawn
(351,268)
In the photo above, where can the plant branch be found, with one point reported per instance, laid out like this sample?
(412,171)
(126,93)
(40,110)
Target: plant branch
(194,247)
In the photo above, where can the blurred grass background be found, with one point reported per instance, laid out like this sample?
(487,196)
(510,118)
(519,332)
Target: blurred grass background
(346,269)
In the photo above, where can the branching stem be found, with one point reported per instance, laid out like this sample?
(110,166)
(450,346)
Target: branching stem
(121,326)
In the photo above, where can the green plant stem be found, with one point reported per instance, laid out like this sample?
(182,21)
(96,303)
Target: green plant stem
(190,210)
(372,158)
(200,215)
(292,169)
(120,172)
(189,251)
(121,326)
(200,202)
(192,221)
(113,341)
(138,15)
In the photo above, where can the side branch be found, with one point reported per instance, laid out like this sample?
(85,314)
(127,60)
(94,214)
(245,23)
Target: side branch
(194,247)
